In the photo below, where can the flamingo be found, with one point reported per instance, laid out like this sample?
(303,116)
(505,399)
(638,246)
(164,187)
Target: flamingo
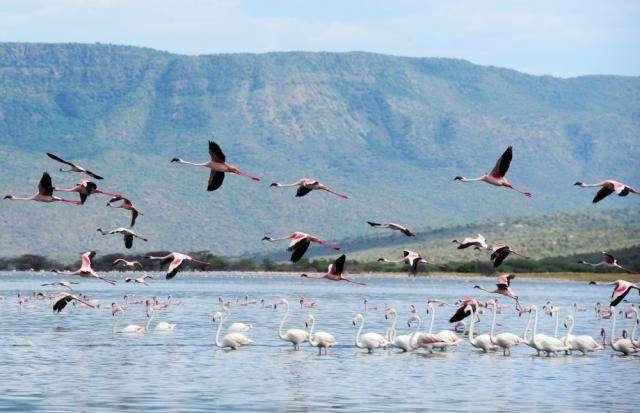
(307,185)
(128,264)
(162,326)
(413,259)
(609,187)
(607,261)
(543,342)
(231,340)
(304,304)
(479,243)
(370,341)
(127,233)
(263,304)
(74,167)
(602,313)
(503,340)
(582,343)
(500,251)
(65,284)
(334,272)
(235,327)
(85,188)
(62,299)
(368,307)
(126,205)
(483,341)
(408,342)
(85,269)
(577,308)
(139,280)
(620,291)
(300,241)
(448,337)
(462,312)
(217,166)
(320,339)
(390,334)
(503,287)
(45,193)
(623,345)
(496,176)
(397,227)
(138,329)
(175,261)
(293,335)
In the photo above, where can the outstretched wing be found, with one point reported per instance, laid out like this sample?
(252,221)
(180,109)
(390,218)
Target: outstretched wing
(502,165)
(57,158)
(338,264)
(61,303)
(602,194)
(303,190)
(45,187)
(460,314)
(134,216)
(216,152)
(174,267)
(299,248)
(128,240)
(499,255)
(91,174)
(215,180)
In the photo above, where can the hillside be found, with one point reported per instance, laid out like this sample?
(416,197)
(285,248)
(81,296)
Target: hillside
(389,131)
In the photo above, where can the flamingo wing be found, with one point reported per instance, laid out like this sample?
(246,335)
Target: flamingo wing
(45,187)
(61,303)
(216,152)
(128,240)
(83,197)
(86,259)
(460,314)
(602,194)
(299,248)
(608,258)
(134,216)
(117,261)
(91,174)
(338,265)
(499,255)
(174,267)
(502,165)
(57,158)
(302,191)
(215,180)
(619,294)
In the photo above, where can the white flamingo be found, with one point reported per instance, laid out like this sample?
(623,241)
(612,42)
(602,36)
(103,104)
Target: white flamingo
(623,345)
(74,167)
(293,335)
(45,193)
(609,187)
(370,341)
(231,340)
(483,341)
(583,343)
(408,342)
(307,185)
(503,340)
(127,234)
(448,337)
(390,334)
(320,339)
(137,329)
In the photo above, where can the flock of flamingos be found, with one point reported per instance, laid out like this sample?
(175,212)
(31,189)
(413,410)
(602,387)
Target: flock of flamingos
(469,308)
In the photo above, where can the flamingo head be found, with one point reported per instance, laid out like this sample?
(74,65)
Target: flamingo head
(308,320)
(578,183)
(8,197)
(458,178)
(266,238)
(275,184)
(304,275)
(216,316)
(176,160)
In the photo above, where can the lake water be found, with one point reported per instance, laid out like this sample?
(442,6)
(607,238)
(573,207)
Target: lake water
(73,362)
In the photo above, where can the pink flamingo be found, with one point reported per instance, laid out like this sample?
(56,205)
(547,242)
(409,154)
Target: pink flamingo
(304,304)
(62,299)
(85,269)
(74,167)
(139,280)
(334,272)
(85,188)
(479,243)
(620,291)
(65,284)
(496,176)
(128,264)
(397,227)
(126,205)
(175,261)
(307,185)
(500,251)
(609,187)
(503,288)
(217,166)
(299,244)
(45,193)
(608,261)
(127,234)
(413,259)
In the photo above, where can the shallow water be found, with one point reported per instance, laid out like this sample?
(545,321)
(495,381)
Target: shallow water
(73,362)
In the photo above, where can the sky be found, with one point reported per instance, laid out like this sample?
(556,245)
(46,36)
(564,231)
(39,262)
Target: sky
(560,38)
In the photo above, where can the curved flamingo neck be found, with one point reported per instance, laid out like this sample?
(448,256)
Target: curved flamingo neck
(149,320)
(311,339)
(431,308)
(472,340)
(493,323)
(222,320)
(284,318)
(412,337)
(358,342)
(526,328)
(555,325)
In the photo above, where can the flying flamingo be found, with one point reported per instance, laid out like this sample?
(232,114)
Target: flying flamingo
(500,251)
(128,264)
(608,261)
(620,291)
(320,339)
(462,311)
(175,261)
(496,176)
(61,300)
(609,187)
(126,205)
(74,167)
(479,243)
(139,280)
(45,193)
(300,241)
(294,335)
(65,284)
(334,272)
(231,340)
(127,233)
(503,287)
(85,188)
(217,166)
(413,259)
(397,227)
(85,269)
(307,185)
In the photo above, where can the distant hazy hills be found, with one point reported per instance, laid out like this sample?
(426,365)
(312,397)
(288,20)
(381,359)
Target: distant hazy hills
(391,132)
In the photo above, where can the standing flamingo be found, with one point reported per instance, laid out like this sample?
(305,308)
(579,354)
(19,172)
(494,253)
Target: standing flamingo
(496,176)
(299,244)
(175,261)
(85,188)
(390,334)
(126,205)
(620,291)
(583,343)
(231,340)
(307,185)
(85,269)
(608,261)
(413,259)
(45,193)
(408,342)
(370,341)
(503,287)
(320,339)
(623,345)
(503,340)
(483,341)
(397,227)
(609,187)
(448,337)
(217,166)
(294,335)
(74,167)
(334,272)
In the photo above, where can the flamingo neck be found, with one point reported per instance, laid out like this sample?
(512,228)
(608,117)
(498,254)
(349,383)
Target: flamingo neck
(311,338)
(222,320)
(493,324)
(412,337)
(535,328)
(555,325)
(472,328)
(284,318)
(358,342)
(149,320)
